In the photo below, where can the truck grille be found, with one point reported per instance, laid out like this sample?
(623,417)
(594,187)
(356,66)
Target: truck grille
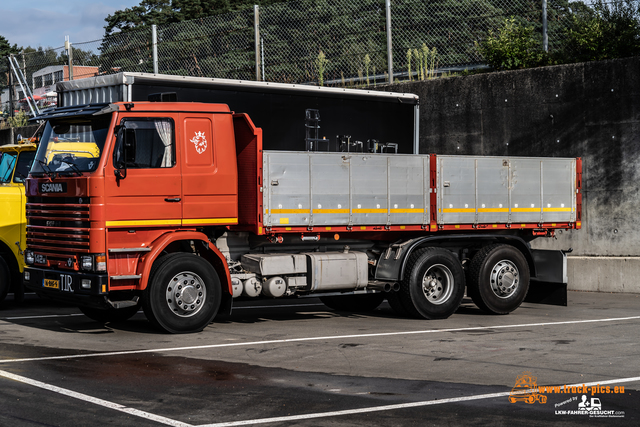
(58,227)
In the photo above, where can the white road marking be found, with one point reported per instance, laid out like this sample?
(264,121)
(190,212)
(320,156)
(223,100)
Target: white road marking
(94,400)
(171,422)
(325,338)
(394,407)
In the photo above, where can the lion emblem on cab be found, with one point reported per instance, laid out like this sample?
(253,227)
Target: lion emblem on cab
(200,141)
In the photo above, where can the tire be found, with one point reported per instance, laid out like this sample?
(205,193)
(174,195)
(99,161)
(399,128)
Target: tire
(5,279)
(498,279)
(162,300)
(354,303)
(433,286)
(110,314)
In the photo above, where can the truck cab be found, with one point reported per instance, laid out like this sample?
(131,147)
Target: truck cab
(15,162)
(116,185)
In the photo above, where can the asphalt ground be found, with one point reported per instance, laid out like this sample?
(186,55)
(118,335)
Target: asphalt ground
(296,362)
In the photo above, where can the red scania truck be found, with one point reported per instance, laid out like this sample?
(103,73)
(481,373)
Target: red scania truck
(179,209)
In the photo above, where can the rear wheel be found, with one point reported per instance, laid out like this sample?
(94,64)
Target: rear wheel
(498,279)
(183,294)
(433,287)
(110,314)
(354,303)
(5,279)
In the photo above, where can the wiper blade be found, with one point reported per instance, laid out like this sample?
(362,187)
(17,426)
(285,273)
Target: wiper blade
(73,166)
(46,169)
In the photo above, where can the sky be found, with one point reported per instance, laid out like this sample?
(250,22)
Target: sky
(46,22)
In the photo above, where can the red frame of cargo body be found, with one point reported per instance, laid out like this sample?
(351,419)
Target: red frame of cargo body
(250,168)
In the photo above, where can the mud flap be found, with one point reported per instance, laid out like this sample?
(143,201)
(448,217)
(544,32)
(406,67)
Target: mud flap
(226,305)
(550,284)
(547,293)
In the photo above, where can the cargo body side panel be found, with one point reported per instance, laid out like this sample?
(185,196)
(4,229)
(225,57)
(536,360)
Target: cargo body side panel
(497,190)
(341,189)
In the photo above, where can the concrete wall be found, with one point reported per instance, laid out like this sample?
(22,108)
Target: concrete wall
(589,110)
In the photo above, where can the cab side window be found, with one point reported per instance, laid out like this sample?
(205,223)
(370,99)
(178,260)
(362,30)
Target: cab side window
(154,144)
(25,160)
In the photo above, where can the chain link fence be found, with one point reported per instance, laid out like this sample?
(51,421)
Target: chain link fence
(327,42)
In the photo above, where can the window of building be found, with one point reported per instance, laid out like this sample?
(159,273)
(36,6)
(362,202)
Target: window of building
(58,76)
(37,81)
(48,79)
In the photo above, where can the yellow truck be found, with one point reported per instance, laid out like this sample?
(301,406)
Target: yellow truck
(15,163)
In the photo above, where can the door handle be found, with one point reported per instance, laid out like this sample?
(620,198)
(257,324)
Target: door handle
(177,199)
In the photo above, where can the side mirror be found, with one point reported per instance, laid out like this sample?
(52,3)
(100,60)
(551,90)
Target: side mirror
(125,151)
(19,137)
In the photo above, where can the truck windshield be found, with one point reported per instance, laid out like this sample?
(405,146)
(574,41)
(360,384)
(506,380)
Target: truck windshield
(7,162)
(72,145)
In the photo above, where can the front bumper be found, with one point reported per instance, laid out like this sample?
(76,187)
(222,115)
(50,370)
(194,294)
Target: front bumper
(67,286)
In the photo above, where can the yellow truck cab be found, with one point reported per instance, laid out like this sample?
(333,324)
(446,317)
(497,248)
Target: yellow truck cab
(15,163)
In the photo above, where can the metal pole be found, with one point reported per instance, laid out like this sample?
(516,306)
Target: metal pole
(11,91)
(154,42)
(262,56)
(387,6)
(256,31)
(16,69)
(19,76)
(67,45)
(545,37)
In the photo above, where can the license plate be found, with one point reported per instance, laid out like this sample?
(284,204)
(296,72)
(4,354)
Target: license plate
(51,283)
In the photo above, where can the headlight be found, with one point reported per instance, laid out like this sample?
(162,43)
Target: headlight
(28,257)
(87,262)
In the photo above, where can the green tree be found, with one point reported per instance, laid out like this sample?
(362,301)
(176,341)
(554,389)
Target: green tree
(511,47)
(147,13)
(609,30)
(5,50)
(161,12)
(195,37)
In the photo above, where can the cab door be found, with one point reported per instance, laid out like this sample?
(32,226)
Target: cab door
(209,172)
(150,194)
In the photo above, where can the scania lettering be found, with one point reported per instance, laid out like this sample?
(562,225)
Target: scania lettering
(53,188)
(179,210)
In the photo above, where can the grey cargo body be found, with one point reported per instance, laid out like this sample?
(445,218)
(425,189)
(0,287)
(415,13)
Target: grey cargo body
(342,189)
(279,109)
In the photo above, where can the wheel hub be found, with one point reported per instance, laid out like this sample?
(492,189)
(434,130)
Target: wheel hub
(186,294)
(505,278)
(437,284)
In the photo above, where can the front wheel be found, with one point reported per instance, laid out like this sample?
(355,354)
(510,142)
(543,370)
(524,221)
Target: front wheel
(434,286)
(183,294)
(498,279)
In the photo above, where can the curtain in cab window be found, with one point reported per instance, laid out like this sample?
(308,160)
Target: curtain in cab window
(155,147)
